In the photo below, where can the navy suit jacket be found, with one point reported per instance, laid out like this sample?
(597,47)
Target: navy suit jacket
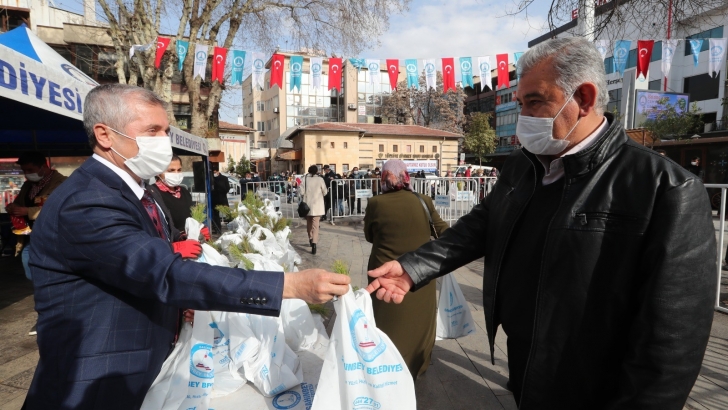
(108,291)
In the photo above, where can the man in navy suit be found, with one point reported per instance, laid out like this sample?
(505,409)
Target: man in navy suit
(108,288)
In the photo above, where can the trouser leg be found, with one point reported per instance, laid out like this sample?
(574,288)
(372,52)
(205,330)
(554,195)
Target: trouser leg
(314,228)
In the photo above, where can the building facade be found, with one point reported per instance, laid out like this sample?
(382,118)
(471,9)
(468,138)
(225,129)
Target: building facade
(344,146)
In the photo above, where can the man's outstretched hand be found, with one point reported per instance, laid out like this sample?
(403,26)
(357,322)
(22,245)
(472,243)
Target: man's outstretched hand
(315,285)
(391,282)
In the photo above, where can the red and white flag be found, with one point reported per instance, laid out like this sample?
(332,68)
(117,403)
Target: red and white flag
(335,66)
(504,80)
(393,70)
(162,44)
(644,55)
(448,74)
(218,64)
(276,70)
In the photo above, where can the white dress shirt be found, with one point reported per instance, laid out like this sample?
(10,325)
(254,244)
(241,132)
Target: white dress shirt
(555,169)
(136,187)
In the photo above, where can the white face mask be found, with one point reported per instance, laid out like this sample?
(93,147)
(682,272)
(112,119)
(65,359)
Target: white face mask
(537,134)
(173,179)
(153,158)
(34,177)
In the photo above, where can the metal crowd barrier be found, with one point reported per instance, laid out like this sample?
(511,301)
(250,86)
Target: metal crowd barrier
(721,244)
(349,197)
(283,194)
(454,197)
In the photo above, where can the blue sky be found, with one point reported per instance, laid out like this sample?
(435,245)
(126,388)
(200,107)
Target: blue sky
(434,29)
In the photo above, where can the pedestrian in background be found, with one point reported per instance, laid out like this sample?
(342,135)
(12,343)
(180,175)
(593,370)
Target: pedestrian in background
(395,223)
(220,188)
(313,190)
(338,194)
(40,182)
(328,176)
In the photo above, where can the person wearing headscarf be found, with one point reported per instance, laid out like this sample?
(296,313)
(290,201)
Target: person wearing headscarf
(396,223)
(313,190)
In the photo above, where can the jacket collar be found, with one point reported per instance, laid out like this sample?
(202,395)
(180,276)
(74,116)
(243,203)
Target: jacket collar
(584,161)
(112,180)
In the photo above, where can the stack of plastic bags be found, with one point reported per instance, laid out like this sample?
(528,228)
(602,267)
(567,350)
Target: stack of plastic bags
(230,361)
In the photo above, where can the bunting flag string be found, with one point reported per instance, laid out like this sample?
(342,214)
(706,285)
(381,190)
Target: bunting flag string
(463,72)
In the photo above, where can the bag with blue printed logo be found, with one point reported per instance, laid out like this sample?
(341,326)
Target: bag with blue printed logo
(453,312)
(201,364)
(362,368)
(169,389)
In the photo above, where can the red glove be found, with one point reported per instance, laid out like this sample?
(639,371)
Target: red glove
(205,232)
(188,248)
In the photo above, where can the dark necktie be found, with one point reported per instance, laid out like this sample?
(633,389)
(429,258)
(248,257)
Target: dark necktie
(153,212)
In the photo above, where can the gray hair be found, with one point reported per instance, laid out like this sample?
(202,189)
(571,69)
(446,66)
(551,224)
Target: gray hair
(576,60)
(111,104)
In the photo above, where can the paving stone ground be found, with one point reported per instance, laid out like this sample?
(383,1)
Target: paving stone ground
(461,375)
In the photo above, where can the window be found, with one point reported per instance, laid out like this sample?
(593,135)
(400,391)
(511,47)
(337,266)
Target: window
(705,35)
(318,145)
(654,85)
(632,59)
(609,65)
(333,168)
(422,148)
(261,126)
(346,145)
(615,101)
(656,51)
(332,145)
(409,149)
(262,144)
(434,148)
(320,167)
(395,148)
(259,106)
(701,87)
(381,147)
(345,167)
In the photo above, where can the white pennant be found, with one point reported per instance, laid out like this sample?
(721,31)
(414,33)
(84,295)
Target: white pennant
(138,47)
(430,74)
(668,51)
(602,47)
(316,67)
(200,61)
(716,55)
(485,72)
(258,68)
(374,71)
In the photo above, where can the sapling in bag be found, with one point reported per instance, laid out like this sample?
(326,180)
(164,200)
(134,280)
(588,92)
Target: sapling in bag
(453,312)
(362,367)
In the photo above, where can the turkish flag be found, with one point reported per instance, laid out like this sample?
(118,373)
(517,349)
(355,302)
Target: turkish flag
(218,64)
(503,76)
(162,44)
(335,66)
(644,55)
(448,74)
(393,70)
(276,70)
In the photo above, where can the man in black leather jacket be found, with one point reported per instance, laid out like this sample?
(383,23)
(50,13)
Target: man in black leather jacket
(599,254)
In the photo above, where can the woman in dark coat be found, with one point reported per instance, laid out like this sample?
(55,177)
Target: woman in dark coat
(396,223)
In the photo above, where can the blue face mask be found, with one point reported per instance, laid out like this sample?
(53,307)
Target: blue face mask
(537,134)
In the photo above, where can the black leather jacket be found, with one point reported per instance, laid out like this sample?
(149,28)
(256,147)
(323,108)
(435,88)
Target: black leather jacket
(627,283)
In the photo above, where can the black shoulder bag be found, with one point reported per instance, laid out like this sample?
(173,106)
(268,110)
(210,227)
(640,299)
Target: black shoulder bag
(433,231)
(303,208)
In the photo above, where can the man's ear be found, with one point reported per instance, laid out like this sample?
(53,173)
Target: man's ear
(103,136)
(586,96)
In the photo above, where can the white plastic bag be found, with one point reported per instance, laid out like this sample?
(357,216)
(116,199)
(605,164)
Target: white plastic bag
(299,326)
(453,312)
(201,364)
(193,228)
(210,256)
(227,379)
(169,389)
(362,367)
(276,367)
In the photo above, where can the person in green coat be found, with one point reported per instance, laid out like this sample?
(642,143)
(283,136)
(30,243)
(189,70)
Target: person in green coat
(396,223)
